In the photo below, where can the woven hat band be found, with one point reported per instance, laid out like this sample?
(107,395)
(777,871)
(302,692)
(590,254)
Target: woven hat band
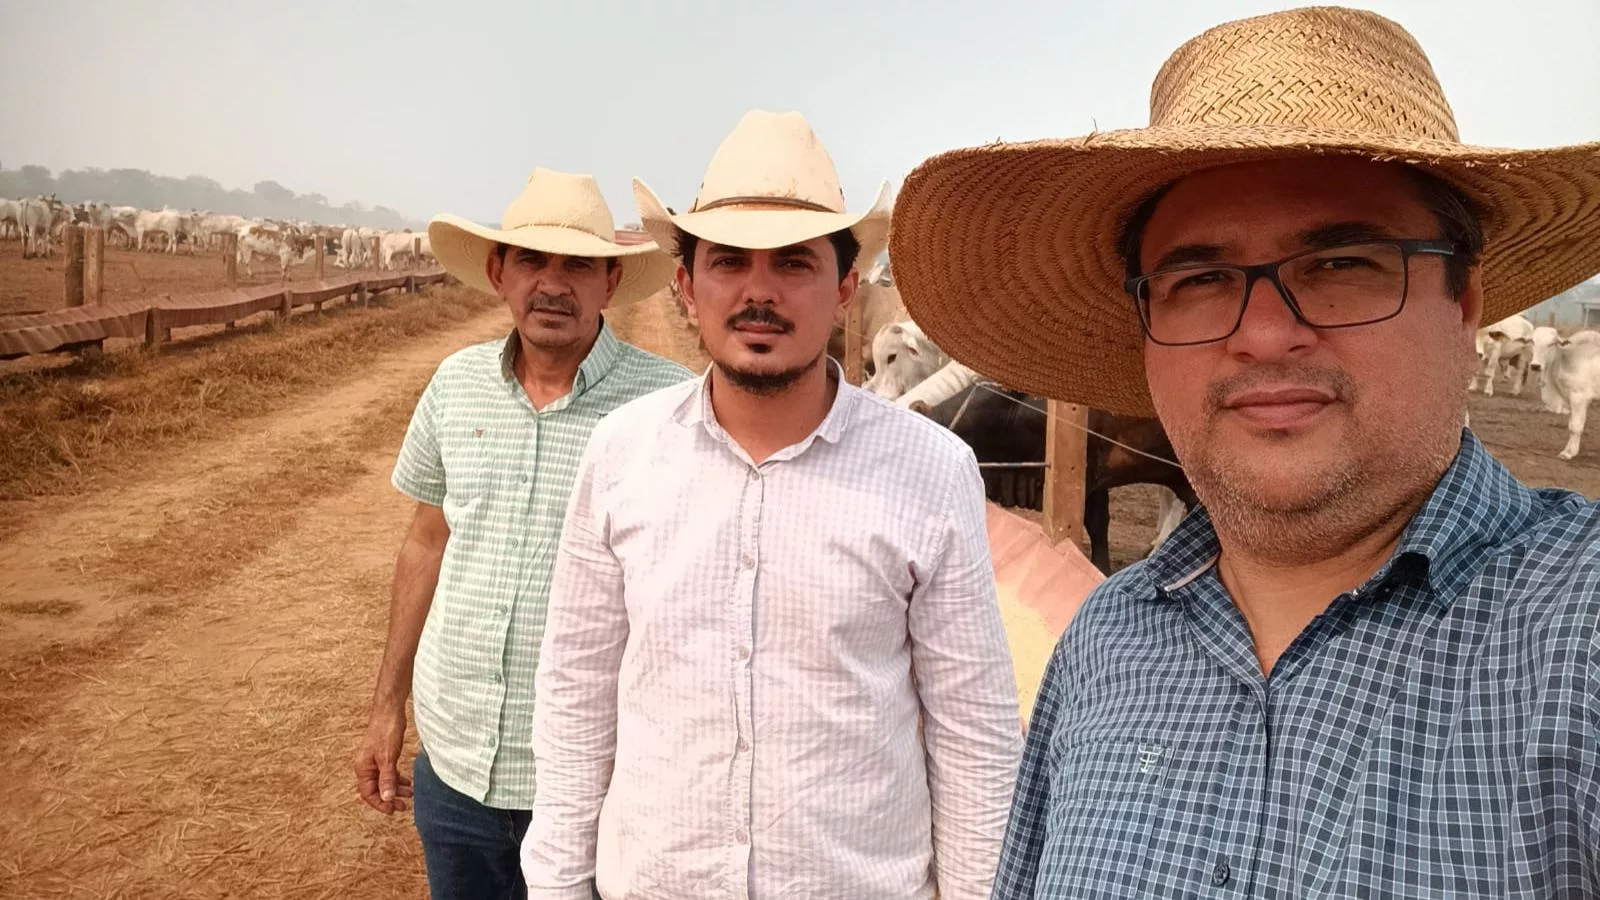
(1346,71)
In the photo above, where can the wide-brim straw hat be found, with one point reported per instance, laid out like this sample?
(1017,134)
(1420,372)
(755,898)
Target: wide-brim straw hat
(770,184)
(1007,255)
(557,213)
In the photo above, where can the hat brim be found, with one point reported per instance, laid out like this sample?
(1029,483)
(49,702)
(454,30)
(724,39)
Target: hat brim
(765,228)
(1006,255)
(463,246)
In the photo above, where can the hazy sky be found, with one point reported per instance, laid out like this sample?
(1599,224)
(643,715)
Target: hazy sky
(446,106)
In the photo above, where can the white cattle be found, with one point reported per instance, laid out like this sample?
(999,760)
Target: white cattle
(10,217)
(950,380)
(1507,341)
(207,226)
(40,219)
(1574,373)
(287,249)
(352,249)
(902,358)
(399,244)
(167,221)
(1551,398)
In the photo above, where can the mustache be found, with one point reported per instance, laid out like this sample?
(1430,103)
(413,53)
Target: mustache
(1293,374)
(760,315)
(557,303)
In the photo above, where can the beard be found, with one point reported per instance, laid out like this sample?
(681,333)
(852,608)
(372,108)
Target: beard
(768,384)
(1292,509)
(764,382)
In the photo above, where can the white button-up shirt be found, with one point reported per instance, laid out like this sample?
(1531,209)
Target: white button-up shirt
(771,681)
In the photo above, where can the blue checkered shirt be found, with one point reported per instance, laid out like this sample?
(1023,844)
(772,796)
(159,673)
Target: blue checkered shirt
(1434,733)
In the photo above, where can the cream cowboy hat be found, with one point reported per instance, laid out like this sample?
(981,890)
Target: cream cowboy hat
(770,184)
(555,213)
(1007,257)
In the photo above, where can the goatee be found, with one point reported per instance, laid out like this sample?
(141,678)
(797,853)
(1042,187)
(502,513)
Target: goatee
(768,384)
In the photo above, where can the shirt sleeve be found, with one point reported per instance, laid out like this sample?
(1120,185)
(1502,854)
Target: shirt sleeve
(419,470)
(1030,807)
(971,725)
(575,696)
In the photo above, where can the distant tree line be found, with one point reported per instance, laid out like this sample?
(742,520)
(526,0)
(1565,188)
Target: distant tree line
(138,188)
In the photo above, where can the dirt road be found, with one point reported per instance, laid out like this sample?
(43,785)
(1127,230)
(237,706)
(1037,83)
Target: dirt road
(195,742)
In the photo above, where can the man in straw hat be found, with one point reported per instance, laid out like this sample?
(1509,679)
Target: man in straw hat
(490,457)
(1368,665)
(725,702)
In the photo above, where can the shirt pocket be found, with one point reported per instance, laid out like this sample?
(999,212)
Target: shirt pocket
(472,455)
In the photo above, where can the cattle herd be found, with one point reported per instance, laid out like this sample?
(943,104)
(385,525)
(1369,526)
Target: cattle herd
(1566,368)
(39,221)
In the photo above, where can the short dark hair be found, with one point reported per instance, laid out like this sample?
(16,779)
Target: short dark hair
(501,248)
(845,248)
(1460,223)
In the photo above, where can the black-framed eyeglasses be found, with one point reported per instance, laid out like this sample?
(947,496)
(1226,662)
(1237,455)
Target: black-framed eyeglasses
(1329,287)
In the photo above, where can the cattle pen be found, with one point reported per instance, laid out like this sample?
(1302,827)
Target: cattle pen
(1066,449)
(83,323)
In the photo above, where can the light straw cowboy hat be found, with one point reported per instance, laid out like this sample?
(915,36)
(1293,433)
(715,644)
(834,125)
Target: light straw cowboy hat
(556,213)
(770,184)
(1007,256)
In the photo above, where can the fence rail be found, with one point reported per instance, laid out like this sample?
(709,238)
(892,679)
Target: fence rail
(79,327)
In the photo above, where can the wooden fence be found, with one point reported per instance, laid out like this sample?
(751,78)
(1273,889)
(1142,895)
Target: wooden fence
(86,323)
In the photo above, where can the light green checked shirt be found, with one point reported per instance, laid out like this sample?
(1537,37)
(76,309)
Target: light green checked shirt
(502,471)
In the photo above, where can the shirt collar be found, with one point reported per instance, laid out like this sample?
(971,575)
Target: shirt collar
(696,410)
(602,358)
(1476,507)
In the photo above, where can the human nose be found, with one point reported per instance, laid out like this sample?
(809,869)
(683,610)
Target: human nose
(1268,327)
(550,281)
(760,283)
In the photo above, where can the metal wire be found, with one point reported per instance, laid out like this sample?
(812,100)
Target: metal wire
(988,386)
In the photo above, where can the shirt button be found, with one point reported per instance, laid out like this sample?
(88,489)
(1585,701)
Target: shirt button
(497,678)
(744,652)
(741,836)
(504,610)
(1221,874)
(749,561)
(516,542)
(743,744)
(522,478)
(492,740)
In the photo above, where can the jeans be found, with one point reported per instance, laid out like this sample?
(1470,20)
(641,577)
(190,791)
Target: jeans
(471,850)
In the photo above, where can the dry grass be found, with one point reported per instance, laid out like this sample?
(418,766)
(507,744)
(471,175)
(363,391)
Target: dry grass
(43,608)
(60,429)
(194,548)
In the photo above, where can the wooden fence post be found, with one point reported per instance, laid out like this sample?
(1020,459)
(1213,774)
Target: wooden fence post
(230,258)
(1066,444)
(94,266)
(852,344)
(322,255)
(72,248)
(286,306)
(361,292)
(377,248)
(153,332)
